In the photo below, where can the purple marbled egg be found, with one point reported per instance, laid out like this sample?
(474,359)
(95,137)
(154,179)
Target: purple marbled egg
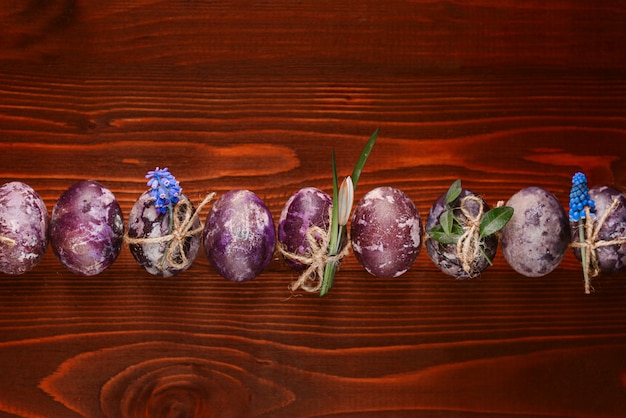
(444,256)
(86,228)
(611,258)
(23,228)
(386,232)
(306,208)
(239,235)
(537,236)
(144,221)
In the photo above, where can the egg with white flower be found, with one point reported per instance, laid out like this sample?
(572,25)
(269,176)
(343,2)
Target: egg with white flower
(305,217)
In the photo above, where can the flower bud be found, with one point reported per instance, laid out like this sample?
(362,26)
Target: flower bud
(346,198)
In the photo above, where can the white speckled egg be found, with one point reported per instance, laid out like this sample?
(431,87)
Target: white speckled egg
(23,227)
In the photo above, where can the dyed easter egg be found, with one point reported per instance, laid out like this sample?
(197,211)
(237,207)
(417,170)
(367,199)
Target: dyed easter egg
(445,256)
(611,258)
(86,228)
(239,235)
(23,228)
(145,222)
(309,207)
(537,236)
(386,232)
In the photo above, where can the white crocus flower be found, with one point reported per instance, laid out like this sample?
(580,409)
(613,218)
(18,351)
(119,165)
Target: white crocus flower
(346,198)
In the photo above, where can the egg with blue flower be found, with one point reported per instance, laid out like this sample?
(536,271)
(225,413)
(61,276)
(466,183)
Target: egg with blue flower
(608,212)
(164,234)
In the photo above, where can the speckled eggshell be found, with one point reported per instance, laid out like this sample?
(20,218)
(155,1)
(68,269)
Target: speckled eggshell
(537,236)
(306,208)
(444,256)
(239,235)
(611,258)
(386,232)
(86,228)
(23,219)
(145,222)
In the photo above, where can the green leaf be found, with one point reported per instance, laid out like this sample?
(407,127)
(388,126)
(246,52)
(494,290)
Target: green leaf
(329,270)
(482,251)
(438,234)
(494,220)
(335,236)
(447,221)
(358,168)
(453,192)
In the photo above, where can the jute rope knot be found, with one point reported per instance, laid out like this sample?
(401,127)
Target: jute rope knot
(8,241)
(592,229)
(184,218)
(316,259)
(468,245)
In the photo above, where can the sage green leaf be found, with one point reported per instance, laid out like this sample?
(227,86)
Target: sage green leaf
(446,220)
(358,168)
(494,220)
(438,234)
(453,192)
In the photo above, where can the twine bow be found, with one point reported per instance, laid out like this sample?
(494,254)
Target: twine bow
(468,246)
(184,218)
(316,259)
(591,243)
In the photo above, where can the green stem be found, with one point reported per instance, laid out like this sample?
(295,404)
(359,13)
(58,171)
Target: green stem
(331,267)
(583,253)
(170,212)
(335,235)
(338,232)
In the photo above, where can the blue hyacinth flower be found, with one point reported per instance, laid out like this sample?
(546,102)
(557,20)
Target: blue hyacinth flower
(579,198)
(164,188)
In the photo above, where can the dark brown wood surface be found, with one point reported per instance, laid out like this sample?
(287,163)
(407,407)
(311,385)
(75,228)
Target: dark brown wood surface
(233,94)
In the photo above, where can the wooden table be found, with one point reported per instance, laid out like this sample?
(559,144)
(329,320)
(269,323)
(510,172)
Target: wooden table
(232,94)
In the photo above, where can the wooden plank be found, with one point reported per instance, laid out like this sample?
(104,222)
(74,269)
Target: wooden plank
(256,95)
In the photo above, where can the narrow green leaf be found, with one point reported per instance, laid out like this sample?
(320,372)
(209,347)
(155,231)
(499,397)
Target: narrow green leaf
(494,220)
(447,220)
(482,251)
(358,168)
(453,192)
(330,269)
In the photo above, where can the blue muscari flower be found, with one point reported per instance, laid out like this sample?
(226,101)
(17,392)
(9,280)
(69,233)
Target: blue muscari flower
(579,198)
(164,188)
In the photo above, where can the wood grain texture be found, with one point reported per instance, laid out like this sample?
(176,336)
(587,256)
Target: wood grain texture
(256,95)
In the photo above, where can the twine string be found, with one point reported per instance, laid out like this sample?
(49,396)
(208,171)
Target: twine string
(468,246)
(184,218)
(310,280)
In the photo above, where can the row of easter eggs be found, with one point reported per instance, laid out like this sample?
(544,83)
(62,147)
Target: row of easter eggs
(86,232)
